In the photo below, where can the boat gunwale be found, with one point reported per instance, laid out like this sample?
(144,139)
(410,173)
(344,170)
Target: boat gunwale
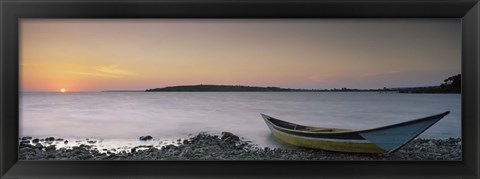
(439,116)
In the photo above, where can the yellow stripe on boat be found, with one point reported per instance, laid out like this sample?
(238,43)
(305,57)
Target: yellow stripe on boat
(326,144)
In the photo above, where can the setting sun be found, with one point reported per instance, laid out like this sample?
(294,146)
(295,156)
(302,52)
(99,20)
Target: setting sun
(63,90)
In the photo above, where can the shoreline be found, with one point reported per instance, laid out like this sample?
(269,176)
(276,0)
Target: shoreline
(228,146)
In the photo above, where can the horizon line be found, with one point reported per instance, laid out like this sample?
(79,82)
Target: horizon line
(144,90)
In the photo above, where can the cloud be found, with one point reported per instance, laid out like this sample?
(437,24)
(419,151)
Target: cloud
(111,71)
(95,74)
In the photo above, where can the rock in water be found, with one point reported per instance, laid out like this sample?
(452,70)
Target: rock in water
(26,138)
(145,138)
(35,140)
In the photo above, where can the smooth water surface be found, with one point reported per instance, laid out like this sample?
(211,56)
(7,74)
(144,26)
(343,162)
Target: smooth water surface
(173,115)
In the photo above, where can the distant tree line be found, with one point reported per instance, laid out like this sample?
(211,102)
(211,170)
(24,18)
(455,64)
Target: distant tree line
(219,88)
(452,84)
(239,88)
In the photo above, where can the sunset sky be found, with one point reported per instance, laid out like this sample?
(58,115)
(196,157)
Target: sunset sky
(96,55)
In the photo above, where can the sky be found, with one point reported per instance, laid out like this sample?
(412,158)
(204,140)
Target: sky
(139,54)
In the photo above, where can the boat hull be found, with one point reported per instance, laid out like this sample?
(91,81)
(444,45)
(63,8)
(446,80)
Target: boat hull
(384,139)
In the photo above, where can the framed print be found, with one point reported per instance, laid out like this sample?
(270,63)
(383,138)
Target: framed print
(278,89)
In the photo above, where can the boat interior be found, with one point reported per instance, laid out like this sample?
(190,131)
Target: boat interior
(298,127)
(319,129)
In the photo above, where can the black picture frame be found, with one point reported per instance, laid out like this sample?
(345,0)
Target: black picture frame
(12,10)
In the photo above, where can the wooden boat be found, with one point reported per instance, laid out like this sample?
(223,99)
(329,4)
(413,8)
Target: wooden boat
(384,139)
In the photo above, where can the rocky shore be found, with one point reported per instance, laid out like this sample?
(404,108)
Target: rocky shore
(228,146)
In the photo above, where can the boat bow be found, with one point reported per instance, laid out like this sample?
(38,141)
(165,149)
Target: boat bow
(392,137)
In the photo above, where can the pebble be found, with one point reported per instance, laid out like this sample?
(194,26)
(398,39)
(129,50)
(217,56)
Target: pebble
(50,148)
(39,146)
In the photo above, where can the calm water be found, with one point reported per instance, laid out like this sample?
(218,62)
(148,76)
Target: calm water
(118,116)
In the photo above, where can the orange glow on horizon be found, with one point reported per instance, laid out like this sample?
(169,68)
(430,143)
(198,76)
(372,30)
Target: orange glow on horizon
(98,55)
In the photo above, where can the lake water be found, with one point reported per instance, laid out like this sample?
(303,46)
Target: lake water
(124,116)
